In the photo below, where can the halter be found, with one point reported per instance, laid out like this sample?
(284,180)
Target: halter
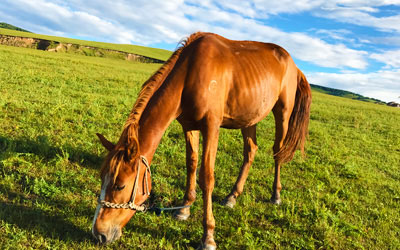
(131,204)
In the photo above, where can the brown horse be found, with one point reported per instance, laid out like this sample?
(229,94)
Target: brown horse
(208,83)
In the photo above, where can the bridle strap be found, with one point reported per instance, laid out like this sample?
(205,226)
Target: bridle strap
(146,163)
(131,204)
(136,185)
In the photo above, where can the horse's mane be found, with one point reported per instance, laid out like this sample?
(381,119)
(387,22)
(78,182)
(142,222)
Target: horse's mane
(125,146)
(155,81)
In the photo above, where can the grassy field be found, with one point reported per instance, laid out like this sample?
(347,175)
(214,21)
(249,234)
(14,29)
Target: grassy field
(344,195)
(160,54)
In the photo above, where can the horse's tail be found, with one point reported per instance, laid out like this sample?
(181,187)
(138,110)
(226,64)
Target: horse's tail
(298,122)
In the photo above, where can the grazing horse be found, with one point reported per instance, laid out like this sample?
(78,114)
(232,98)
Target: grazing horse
(209,82)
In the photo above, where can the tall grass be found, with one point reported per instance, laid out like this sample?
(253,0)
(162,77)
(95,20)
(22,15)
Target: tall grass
(344,195)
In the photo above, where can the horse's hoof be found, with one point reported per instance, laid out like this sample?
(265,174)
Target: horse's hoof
(229,201)
(275,201)
(181,216)
(207,247)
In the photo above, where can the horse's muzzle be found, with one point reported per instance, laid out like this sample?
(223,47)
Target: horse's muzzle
(108,236)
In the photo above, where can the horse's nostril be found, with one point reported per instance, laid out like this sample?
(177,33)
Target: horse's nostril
(102,238)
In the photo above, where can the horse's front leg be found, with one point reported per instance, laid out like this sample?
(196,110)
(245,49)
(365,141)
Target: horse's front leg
(206,176)
(192,153)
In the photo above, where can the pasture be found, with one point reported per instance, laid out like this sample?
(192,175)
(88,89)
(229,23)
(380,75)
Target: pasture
(344,195)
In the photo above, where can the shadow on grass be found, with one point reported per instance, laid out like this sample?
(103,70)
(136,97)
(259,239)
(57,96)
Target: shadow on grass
(53,222)
(44,223)
(43,148)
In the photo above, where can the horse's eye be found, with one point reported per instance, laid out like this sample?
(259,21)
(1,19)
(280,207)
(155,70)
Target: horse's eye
(118,188)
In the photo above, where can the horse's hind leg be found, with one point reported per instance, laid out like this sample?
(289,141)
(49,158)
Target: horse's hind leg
(249,151)
(282,113)
(192,151)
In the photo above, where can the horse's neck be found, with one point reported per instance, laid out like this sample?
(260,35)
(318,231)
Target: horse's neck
(162,109)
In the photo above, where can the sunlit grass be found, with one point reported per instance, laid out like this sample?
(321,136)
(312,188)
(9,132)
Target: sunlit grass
(344,195)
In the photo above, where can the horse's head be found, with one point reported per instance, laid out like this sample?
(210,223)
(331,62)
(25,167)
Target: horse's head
(126,184)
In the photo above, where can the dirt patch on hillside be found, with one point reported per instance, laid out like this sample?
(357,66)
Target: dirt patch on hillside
(54,46)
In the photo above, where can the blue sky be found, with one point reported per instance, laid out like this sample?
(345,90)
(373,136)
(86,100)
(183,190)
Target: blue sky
(347,44)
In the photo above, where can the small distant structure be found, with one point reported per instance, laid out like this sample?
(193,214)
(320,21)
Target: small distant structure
(394,104)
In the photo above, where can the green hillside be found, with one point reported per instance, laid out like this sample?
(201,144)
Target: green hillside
(344,93)
(160,54)
(11,27)
(344,195)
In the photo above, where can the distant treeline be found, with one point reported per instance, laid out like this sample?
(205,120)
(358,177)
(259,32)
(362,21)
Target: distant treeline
(11,27)
(344,93)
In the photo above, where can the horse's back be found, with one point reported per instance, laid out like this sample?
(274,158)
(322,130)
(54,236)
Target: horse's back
(238,82)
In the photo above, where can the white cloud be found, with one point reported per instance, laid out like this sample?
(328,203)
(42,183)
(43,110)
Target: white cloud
(382,85)
(321,53)
(286,6)
(391,58)
(337,34)
(388,40)
(359,12)
(244,8)
(361,17)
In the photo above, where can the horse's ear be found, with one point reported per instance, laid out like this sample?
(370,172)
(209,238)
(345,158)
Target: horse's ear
(132,143)
(106,143)
(132,151)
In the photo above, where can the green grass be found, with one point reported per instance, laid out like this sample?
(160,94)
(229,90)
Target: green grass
(344,195)
(156,53)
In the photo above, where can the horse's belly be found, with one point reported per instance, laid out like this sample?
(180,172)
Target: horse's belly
(250,98)
(244,114)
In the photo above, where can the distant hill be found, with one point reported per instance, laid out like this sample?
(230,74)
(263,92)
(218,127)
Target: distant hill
(160,54)
(11,27)
(344,93)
